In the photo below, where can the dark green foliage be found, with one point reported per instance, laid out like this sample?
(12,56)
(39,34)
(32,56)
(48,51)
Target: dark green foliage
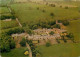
(14,30)
(12,44)
(70,35)
(66,7)
(65,22)
(51,33)
(34,27)
(3,17)
(23,42)
(7,43)
(52,5)
(48,44)
(52,14)
(43,11)
(57,26)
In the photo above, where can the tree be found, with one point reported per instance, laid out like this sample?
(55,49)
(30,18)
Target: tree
(34,27)
(23,42)
(51,33)
(65,22)
(52,14)
(70,35)
(38,55)
(57,26)
(12,44)
(48,44)
(66,7)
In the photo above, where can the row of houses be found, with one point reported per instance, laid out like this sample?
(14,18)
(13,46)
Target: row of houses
(42,34)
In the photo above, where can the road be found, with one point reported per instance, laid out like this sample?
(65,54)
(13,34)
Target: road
(30,52)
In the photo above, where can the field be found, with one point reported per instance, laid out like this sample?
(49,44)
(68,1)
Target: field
(8,24)
(17,52)
(4,2)
(60,50)
(4,10)
(74,27)
(28,12)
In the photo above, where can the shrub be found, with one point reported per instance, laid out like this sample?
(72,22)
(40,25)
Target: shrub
(70,35)
(65,22)
(52,14)
(43,10)
(52,5)
(66,7)
(51,33)
(23,42)
(57,26)
(48,44)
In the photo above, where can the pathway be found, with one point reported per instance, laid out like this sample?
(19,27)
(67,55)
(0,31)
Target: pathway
(30,52)
(18,22)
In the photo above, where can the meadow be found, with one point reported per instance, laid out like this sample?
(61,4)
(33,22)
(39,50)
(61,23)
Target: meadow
(27,12)
(74,28)
(4,10)
(60,50)
(17,52)
(8,24)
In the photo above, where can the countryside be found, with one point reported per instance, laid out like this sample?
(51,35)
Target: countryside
(39,28)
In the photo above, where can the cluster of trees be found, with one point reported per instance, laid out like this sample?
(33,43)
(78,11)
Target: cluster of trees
(42,24)
(64,22)
(7,43)
(13,31)
(35,52)
(3,17)
(23,42)
(70,35)
(52,5)
(51,33)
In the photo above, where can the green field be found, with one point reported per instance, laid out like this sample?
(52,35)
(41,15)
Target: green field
(28,12)
(17,52)
(4,2)
(8,24)
(60,50)
(74,27)
(4,10)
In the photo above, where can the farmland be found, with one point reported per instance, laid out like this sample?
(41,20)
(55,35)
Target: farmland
(27,12)
(75,29)
(18,52)
(60,50)
(8,24)
(40,22)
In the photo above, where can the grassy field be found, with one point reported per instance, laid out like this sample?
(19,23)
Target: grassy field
(74,27)
(4,10)
(60,50)
(17,52)
(28,12)
(8,24)
(4,2)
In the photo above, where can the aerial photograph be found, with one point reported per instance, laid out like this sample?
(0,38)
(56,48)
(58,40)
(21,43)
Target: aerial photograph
(39,28)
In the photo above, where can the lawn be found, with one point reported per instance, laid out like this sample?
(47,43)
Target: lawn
(17,52)
(74,28)
(60,50)
(28,12)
